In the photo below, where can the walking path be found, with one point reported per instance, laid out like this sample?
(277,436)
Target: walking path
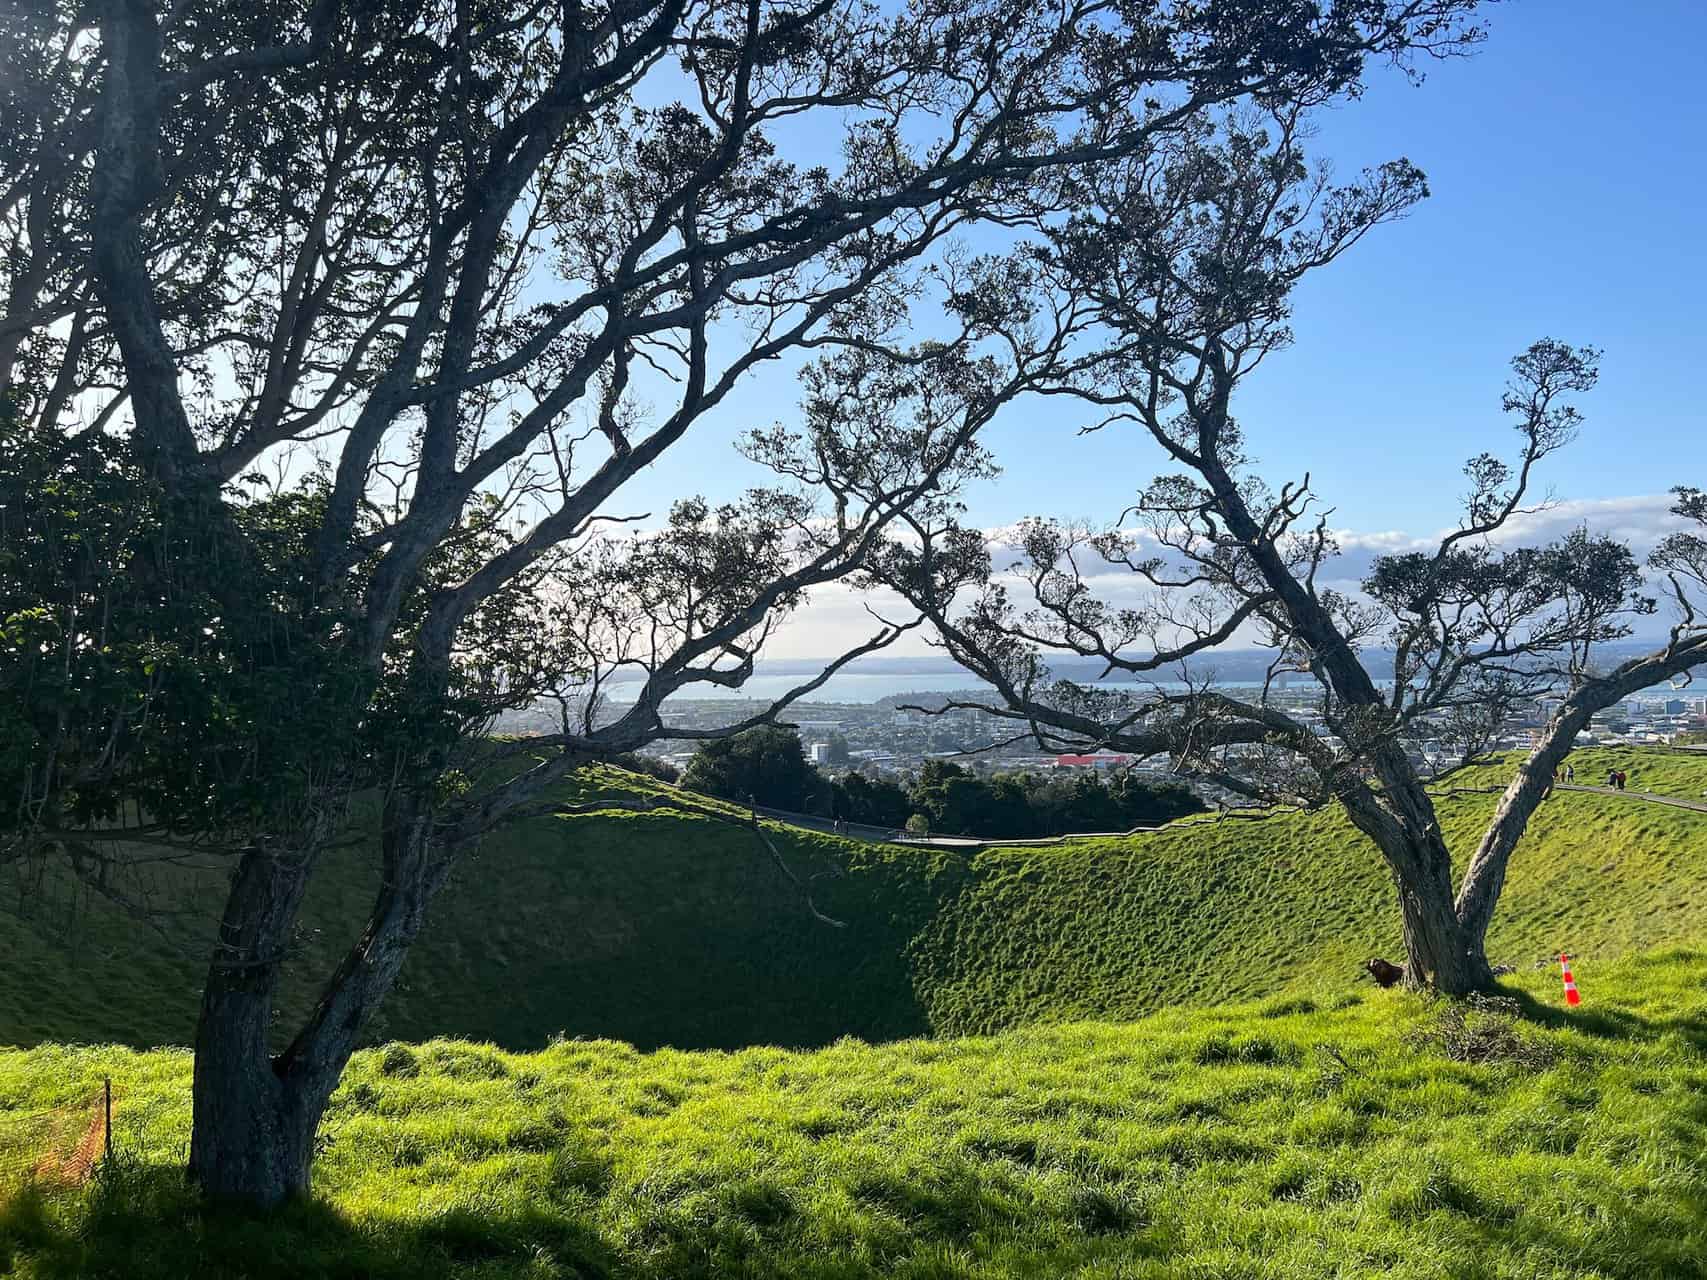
(1700,806)
(889,835)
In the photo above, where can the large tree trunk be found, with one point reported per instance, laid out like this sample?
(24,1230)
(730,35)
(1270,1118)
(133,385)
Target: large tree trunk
(251,1138)
(1440,953)
(255,1116)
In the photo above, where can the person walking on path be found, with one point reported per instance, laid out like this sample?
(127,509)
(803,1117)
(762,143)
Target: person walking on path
(1570,774)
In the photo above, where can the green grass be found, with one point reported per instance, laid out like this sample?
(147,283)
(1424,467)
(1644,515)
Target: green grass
(1680,774)
(1241,909)
(1327,1134)
(1329,1130)
(675,930)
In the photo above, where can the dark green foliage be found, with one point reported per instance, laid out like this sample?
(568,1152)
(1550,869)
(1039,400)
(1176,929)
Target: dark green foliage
(954,802)
(1019,805)
(768,766)
(765,765)
(151,663)
(165,663)
(877,802)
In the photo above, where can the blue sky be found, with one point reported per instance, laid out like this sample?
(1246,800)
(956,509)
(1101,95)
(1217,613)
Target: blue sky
(1565,161)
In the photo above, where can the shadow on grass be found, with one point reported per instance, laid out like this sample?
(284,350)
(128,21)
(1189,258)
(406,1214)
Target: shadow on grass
(1612,1022)
(148,1223)
(1607,1024)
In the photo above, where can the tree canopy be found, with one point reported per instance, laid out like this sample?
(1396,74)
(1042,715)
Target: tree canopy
(764,765)
(767,766)
(1174,284)
(353,321)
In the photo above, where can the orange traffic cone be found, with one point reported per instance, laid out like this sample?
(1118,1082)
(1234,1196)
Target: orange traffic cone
(1571,996)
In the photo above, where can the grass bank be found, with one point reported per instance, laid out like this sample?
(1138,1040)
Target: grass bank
(1325,1134)
(1660,770)
(668,929)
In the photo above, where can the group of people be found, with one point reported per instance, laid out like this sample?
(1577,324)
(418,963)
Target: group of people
(1615,778)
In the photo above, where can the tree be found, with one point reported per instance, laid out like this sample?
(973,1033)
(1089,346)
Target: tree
(1145,803)
(1014,806)
(951,799)
(1174,283)
(388,302)
(765,765)
(876,802)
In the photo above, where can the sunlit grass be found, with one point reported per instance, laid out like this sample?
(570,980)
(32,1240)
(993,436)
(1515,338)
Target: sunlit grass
(1314,1136)
(1323,1132)
(1679,774)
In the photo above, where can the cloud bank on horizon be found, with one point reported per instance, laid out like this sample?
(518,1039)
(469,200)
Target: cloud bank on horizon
(838,616)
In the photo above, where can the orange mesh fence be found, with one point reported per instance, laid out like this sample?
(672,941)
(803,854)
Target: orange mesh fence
(60,1147)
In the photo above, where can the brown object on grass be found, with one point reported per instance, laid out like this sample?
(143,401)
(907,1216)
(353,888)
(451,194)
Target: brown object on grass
(1385,972)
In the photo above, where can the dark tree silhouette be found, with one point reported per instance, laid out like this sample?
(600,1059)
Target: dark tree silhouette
(765,765)
(1174,284)
(359,317)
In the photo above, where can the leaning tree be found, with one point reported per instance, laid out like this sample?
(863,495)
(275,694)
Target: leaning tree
(1156,301)
(335,333)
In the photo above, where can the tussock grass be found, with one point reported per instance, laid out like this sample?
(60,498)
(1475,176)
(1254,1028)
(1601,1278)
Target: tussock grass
(1322,1134)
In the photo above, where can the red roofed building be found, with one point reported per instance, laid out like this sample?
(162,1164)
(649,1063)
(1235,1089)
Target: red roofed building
(1101,760)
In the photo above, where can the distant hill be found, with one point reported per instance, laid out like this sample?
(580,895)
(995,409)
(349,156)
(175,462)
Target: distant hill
(670,929)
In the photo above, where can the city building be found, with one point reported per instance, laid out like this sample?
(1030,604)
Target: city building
(1097,760)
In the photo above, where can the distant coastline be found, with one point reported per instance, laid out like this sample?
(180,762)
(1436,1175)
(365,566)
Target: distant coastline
(873,679)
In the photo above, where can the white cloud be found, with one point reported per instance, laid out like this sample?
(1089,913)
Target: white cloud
(836,617)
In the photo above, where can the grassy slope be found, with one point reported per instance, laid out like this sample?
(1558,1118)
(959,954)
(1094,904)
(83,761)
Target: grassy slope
(1238,910)
(667,929)
(1682,774)
(1295,1139)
